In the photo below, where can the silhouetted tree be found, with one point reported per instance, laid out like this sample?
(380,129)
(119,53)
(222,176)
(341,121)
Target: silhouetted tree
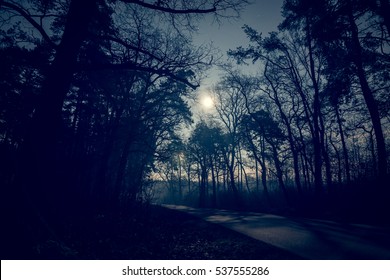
(230,107)
(97,35)
(207,145)
(335,23)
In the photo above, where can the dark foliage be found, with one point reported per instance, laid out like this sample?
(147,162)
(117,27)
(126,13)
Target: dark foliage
(92,103)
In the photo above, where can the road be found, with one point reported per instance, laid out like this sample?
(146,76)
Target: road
(308,238)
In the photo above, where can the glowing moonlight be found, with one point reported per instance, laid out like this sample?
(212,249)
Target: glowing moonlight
(207,102)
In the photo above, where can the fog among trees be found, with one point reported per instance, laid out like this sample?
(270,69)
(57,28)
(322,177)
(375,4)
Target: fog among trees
(95,111)
(312,126)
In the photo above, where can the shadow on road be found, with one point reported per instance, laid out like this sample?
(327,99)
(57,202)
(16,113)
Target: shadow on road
(308,238)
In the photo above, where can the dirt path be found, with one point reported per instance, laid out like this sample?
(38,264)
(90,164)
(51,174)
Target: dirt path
(308,238)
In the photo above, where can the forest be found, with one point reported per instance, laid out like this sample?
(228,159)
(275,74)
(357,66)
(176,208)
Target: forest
(97,124)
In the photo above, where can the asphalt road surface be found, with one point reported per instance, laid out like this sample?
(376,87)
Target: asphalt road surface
(308,238)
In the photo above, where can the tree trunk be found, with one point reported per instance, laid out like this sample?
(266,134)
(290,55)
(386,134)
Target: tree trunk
(257,175)
(202,187)
(325,155)
(291,141)
(316,116)
(40,162)
(356,52)
(344,145)
(263,168)
(180,189)
(214,186)
(339,168)
(230,166)
(309,114)
(189,178)
(122,171)
(279,172)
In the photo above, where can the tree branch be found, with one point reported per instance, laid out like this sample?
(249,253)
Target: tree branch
(129,46)
(28,17)
(134,67)
(170,10)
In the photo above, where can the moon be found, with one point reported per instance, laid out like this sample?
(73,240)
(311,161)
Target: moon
(207,102)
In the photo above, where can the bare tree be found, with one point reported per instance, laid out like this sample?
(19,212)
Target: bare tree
(138,36)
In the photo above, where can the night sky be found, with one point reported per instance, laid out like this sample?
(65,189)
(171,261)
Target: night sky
(263,15)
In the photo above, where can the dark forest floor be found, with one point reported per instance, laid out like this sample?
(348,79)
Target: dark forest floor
(157,233)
